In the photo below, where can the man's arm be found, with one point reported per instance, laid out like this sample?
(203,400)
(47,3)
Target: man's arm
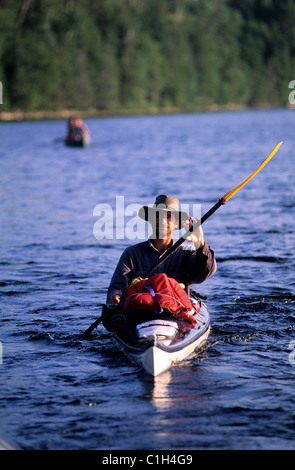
(120,279)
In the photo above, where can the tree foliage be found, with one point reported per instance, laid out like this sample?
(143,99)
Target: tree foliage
(134,54)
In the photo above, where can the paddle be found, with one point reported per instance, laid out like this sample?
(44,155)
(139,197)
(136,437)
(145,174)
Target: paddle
(197,224)
(87,333)
(211,211)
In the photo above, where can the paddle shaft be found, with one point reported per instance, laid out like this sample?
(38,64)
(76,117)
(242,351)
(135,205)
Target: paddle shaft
(86,333)
(174,247)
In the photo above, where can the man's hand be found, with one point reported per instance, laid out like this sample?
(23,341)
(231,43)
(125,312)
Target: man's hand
(197,237)
(114,299)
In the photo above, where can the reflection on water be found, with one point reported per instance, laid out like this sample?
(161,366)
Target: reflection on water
(159,392)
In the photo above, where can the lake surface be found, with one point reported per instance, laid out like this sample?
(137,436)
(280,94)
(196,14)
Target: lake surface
(60,391)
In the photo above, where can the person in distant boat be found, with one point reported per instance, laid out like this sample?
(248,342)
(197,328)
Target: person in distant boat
(189,264)
(77,129)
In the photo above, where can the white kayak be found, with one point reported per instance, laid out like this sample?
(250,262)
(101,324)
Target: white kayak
(158,343)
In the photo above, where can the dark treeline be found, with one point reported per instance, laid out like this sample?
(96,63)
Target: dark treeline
(134,54)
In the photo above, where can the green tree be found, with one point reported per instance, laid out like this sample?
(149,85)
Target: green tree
(112,54)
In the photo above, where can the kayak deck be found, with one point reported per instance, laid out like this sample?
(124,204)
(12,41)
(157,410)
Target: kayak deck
(162,341)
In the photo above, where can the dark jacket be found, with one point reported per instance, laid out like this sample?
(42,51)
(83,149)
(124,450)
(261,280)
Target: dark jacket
(187,265)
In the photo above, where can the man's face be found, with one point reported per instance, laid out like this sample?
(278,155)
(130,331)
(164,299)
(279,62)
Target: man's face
(163,224)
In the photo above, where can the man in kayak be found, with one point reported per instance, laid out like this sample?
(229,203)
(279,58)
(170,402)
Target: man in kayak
(189,264)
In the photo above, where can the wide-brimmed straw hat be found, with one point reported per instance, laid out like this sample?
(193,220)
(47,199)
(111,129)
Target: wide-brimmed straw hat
(167,204)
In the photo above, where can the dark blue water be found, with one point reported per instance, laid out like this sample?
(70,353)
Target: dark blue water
(60,391)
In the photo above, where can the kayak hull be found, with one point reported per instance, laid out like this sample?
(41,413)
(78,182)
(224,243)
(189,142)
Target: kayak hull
(85,141)
(159,343)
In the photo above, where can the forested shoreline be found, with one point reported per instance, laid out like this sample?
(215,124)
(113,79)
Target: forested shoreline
(132,55)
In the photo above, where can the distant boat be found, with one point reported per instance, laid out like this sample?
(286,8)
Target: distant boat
(78,134)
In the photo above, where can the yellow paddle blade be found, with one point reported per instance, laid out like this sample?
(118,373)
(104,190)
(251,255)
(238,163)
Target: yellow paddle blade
(228,195)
